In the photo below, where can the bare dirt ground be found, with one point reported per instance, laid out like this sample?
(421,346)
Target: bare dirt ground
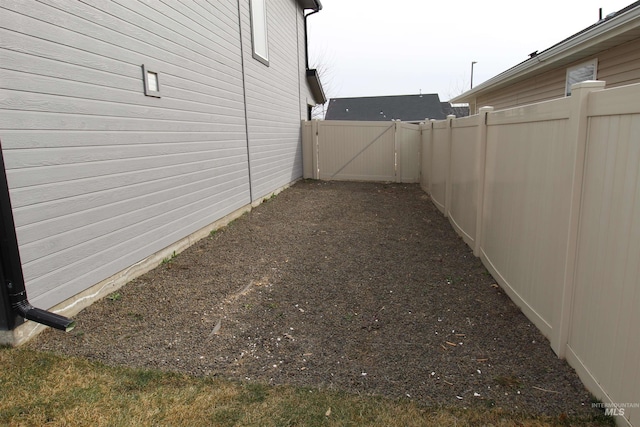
(363,287)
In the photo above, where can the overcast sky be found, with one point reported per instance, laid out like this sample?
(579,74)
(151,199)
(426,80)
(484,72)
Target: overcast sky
(374,47)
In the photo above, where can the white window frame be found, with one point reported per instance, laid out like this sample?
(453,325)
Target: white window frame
(579,73)
(259,37)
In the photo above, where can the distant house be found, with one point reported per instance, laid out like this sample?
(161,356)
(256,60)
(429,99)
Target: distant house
(407,108)
(455,110)
(608,50)
(130,129)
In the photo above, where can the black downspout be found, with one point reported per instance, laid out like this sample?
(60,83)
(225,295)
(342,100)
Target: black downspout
(306,39)
(13,294)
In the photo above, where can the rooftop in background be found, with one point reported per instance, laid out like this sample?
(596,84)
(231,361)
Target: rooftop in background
(456,110)
(408,108)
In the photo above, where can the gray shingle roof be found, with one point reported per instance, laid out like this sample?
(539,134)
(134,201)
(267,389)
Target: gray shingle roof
(408,108)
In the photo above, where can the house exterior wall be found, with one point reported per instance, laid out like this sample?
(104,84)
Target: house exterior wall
(102,176)
(621,65)
(273,99)
(617,66)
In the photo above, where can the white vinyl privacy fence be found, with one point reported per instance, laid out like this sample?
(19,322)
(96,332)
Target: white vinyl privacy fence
(362,151)
(548,196)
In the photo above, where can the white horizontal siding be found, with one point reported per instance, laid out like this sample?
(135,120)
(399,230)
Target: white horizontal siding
(102,176)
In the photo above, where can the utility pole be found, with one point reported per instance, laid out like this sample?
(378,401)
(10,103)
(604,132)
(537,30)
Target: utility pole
(472,64)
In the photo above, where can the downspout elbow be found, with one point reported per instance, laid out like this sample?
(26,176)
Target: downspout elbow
(13,293)
(22,307)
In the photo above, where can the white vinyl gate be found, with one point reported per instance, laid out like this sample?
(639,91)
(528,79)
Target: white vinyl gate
(361,151)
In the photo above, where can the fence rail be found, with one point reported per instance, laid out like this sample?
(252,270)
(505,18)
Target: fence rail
(548,196)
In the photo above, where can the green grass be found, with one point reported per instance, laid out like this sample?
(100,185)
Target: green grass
(40,388)
(116,296)
(168,259)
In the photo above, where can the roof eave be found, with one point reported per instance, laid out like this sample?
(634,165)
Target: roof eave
(598,34)
(313,79)
(310,4)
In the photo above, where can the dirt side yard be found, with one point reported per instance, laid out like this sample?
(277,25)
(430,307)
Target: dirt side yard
(357,286)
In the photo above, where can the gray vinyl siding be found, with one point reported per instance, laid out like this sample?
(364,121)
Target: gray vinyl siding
(273,99)
(101,175)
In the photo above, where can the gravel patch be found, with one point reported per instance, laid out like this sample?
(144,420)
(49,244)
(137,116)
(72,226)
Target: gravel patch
(363,287)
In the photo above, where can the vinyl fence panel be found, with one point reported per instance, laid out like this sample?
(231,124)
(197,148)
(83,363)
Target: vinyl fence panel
(556,187)
(604,341)
(425,156)
(464,177)
(408,143)
(307,150)
(526,206)
(439,163)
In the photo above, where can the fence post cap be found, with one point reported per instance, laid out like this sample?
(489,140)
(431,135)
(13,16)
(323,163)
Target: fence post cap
(593,84)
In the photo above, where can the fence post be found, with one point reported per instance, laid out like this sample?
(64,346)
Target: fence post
(448,183)
(315,148)
(431,122)
(306,144)
(423,157)
(481,165)
(421,124)
(577,137)
(397,143)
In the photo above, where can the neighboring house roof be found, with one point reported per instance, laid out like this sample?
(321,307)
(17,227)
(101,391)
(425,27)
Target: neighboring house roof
(617,28)
(456,110)
(408,108)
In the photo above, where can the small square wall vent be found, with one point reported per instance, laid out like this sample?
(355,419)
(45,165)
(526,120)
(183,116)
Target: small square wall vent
(151,82)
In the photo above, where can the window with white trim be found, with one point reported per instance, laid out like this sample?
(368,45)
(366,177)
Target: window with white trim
(259,30)
(580,73)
